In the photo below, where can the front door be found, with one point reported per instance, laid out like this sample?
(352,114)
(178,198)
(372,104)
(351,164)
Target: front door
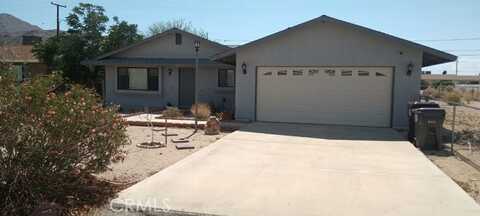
(186,87)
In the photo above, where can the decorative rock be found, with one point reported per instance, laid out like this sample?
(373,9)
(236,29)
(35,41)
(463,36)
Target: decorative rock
(212,127)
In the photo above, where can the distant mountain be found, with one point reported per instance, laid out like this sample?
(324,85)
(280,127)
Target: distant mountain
(12,29)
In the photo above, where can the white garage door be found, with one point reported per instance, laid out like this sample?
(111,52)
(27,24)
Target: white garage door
(325,95)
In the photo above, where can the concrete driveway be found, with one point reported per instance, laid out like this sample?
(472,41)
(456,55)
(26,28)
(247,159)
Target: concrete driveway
(287,169)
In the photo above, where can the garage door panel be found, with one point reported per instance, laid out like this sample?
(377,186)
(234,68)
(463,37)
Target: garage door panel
(325,95)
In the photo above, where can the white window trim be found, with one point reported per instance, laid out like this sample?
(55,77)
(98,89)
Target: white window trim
(126,91)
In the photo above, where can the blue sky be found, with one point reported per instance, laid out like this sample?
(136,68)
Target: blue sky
(237,22)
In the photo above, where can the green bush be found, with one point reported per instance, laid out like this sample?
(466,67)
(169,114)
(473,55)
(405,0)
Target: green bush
(203,111)
(51,144)
(172,112)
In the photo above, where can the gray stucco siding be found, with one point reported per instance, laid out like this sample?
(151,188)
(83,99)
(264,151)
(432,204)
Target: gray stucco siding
(165,47)
(328,44)
(207,81)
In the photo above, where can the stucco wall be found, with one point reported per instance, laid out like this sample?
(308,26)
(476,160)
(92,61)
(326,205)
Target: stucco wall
(130,99)
(165,47)
(328,44)
(207,81)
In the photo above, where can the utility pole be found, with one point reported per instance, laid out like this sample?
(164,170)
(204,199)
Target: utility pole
(58,15)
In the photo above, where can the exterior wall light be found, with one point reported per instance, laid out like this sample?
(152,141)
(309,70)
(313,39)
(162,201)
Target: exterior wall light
(244,68)
(196,44)
(409,69)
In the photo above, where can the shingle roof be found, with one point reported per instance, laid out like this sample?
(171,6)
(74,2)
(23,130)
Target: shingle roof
(17,54)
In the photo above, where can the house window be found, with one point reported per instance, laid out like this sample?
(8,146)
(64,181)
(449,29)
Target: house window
(378,74)
(363,73)
(297,72)
(178,38)
(330,72)
(347,73)
(226,78)
(312,72)
(267,73)
(145,79)
(282,73)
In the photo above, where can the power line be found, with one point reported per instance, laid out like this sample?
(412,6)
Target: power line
(462,50)
(469,55)
(449,39)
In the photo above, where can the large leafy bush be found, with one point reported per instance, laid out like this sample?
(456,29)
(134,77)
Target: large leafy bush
(51,142)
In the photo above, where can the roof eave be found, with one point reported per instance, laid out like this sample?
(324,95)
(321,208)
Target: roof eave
(442,57)
(153,37)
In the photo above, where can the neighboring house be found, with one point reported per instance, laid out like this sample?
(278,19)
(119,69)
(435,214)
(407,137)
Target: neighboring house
(324,71)
(159,72)
(451,77)
(468,87)
(25,64)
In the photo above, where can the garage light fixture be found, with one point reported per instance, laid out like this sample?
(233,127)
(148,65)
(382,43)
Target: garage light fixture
(244,68)
(409,69)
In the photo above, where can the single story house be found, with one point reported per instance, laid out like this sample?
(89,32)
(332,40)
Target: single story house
(23,62)
(160,71)
(323,71)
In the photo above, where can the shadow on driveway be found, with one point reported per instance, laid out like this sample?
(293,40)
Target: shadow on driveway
(333,132)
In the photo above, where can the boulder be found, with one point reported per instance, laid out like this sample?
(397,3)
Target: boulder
(212,127)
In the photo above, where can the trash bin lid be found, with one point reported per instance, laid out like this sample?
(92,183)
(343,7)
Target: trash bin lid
(430,112)
(417,104)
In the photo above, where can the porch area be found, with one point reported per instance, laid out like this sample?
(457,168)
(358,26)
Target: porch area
(137,84)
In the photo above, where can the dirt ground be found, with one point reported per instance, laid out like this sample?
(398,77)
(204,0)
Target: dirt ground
(141,163)
(466,176)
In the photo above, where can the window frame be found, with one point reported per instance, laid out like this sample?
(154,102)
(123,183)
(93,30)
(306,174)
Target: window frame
(147,91)
(226,70)
(178,38)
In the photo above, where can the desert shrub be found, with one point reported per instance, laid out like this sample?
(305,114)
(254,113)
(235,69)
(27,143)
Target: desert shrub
(428,92)
(52,142)
(172,112)
(434,92)
(453,97)
(468,96)
(203,111)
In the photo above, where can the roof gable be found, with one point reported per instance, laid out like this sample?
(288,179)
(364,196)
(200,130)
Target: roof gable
(431,56)
(17,53)
(146,43)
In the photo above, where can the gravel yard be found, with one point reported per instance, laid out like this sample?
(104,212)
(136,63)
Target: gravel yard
(141,163)
(463,174)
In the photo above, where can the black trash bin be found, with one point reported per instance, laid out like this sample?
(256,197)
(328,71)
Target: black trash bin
(428,127)
(411,121)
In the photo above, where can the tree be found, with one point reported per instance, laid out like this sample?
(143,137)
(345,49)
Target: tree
(47,51)
(86,38)
(121,34)
(90,23)
(181,24)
